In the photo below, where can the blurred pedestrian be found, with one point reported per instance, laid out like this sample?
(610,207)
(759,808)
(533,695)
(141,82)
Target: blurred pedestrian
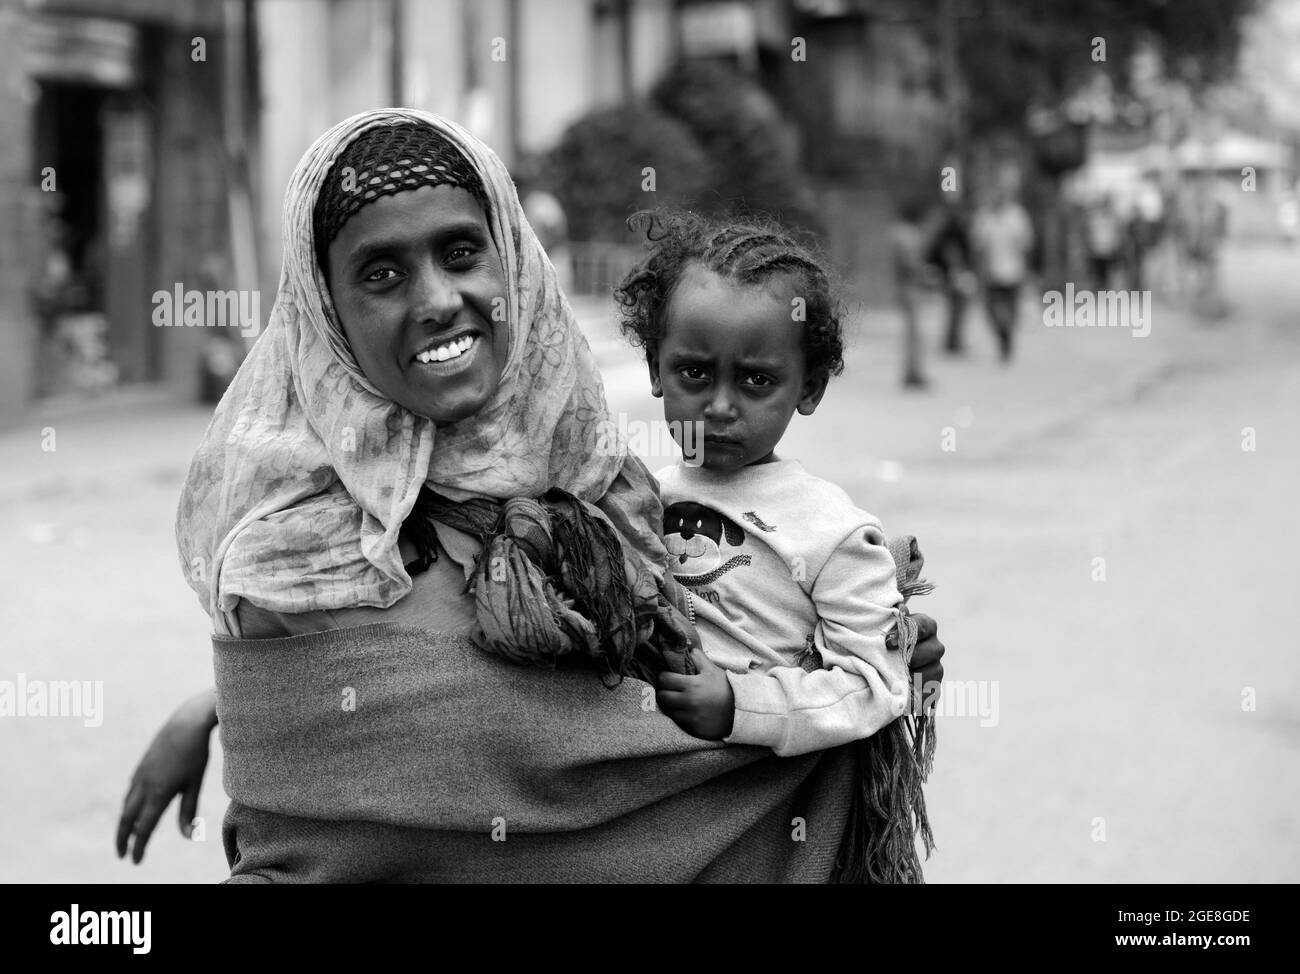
(949,254)
(1003,238)
(1103,235)
(1288,218)
(1203,223)
(907,246)
(60,297)
(545,214)
(1145,230)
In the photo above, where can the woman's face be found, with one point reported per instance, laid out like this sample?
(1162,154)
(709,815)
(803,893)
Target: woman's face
(421,295)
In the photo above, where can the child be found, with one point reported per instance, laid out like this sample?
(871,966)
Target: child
(791,585)
(794,581)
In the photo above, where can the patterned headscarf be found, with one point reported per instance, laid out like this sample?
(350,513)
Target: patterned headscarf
(297,493)
(384,160)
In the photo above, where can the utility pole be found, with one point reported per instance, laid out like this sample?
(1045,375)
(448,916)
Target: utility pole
(950,71)
(397,53)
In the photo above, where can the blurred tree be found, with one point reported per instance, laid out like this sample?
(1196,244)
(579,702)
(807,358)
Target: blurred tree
(1038,73)
(753,150)
(1012,56)
(615,161)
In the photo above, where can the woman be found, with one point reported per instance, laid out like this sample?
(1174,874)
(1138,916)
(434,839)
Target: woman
(419,358)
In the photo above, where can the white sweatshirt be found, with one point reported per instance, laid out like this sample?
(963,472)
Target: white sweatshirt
(778,563)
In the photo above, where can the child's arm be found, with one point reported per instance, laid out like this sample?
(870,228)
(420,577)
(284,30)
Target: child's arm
(863,685)
(701,704)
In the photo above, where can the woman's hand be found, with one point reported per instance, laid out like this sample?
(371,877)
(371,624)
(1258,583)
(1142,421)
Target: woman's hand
(173,765)
(703,705)
(927,657)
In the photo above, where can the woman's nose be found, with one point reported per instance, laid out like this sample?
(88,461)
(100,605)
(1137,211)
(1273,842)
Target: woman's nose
(435,296)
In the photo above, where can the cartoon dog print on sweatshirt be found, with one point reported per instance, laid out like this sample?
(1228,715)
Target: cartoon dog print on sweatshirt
(701,543)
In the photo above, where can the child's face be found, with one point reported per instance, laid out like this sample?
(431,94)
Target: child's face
(731,359)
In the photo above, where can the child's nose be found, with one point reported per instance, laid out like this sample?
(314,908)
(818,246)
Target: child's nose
(721,407)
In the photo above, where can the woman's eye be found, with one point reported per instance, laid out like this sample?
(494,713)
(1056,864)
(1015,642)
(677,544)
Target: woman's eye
(375,275)
(460,253)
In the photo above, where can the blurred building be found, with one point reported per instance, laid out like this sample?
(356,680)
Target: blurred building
(146,144)
(515,72)
(870,104)
(115,184)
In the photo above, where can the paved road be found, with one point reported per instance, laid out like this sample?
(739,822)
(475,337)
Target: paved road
(1121,749)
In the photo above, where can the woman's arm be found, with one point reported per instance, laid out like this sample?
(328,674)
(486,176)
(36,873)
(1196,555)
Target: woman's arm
(173,765)
(178,756)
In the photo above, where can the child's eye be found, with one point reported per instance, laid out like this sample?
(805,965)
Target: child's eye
(695,373)
(760,380)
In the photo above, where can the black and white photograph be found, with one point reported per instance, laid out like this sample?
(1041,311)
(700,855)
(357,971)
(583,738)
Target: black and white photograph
(651,442)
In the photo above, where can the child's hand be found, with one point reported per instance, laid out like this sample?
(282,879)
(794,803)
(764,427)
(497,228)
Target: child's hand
(173,765)
(702,705)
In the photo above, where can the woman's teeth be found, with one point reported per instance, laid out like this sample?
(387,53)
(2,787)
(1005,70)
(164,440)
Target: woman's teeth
(440,353)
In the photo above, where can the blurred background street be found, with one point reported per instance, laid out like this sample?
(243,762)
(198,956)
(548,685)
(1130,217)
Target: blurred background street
(1109,519)
(1119,700)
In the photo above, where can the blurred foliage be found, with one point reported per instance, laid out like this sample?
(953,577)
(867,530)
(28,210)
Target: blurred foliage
(597,169)
(719,142)
(716,141)
(740,127)
(1016,54)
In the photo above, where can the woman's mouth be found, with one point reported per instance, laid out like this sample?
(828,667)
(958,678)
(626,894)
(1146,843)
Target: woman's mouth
(449,356)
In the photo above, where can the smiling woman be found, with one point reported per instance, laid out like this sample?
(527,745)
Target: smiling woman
(402,235)
(414,465)
(420,293)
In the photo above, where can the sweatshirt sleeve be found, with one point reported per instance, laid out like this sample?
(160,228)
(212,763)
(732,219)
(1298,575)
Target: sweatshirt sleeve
(863,685)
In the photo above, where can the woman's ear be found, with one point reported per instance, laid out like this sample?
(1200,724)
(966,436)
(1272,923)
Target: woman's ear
(814,387)
(652,360)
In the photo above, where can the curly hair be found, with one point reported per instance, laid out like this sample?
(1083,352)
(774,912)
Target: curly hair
(750,252)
